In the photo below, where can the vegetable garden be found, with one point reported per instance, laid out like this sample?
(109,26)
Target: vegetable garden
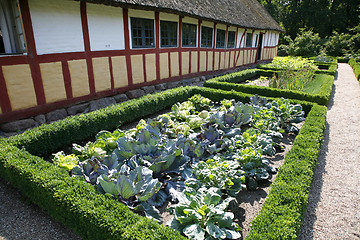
(211,145)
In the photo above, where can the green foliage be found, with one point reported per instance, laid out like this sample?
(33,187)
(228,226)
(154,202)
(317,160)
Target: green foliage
(306,44)
(356,68)
(292,63)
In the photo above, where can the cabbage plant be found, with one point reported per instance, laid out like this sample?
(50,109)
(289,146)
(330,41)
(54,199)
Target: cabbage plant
(202,214)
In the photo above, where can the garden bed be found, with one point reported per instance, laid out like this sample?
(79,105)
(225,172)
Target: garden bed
(95,216)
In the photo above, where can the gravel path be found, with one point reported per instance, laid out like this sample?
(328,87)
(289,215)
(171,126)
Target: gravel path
(334,203)
(20,219)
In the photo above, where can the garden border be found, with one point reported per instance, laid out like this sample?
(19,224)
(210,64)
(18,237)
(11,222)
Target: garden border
(231,82)
(95,216)
(356,68)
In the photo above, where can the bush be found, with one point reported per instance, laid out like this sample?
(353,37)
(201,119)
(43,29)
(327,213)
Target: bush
(306,44)
(356,68)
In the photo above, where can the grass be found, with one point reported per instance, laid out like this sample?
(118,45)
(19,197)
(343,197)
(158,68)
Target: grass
(314,87)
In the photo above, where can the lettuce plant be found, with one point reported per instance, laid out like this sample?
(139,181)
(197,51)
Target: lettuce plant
(67,162)
(202,214)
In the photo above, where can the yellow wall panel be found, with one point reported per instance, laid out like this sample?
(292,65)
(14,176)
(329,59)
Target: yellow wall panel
(222,60)
(194,62)
(246,57)
(164,65)
(210,61)
(150,62)
(119,71)
(101,74)
(20,86)
(240,59)
(232,59)
(137,69)
(53,81)
(202,61)
(216,60)
(227,59)
(185,63)
(174,58)
(79,77)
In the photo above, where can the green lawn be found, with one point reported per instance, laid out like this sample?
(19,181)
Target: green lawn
(314,87)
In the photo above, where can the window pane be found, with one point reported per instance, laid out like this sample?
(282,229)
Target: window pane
(220,38)
(206,37)
(188,35)
(248,40)
(168,33)
(142,31)
(231,39)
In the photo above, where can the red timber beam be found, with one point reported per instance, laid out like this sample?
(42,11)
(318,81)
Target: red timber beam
(32,53)
(88,57)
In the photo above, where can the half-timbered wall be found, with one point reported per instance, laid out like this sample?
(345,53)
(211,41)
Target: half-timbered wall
(79,51)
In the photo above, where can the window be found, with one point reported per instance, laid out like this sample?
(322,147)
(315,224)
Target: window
(168,34)
(206,37)
(231,39)
(142,31)
(220,38)
(248,40)
(188,35)
(12,39)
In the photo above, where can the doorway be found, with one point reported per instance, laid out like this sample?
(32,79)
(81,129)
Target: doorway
(260,46)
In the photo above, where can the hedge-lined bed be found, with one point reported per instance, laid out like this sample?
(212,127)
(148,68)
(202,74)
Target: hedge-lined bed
(231,82)
(331,68)
(80,207)
(356,67)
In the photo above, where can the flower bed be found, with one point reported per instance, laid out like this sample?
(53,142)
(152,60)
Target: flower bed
(95,216)
(231,82)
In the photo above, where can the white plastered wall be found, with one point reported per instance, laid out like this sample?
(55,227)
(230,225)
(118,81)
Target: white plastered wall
(239,36)
(57,26)
(106,27)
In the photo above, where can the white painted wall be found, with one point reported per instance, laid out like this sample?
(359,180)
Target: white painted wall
(57,26)
(106,27)
(239,40)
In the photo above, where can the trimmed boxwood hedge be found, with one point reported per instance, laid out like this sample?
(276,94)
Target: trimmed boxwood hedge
(230,82)
(356,68)
(80,207)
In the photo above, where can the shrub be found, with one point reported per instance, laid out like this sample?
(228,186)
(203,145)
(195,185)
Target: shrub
(356,68)
(306,44)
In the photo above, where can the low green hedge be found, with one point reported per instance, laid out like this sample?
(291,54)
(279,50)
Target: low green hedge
(356,67)
(283,211)
(343,60)
(77,204)
(230,82)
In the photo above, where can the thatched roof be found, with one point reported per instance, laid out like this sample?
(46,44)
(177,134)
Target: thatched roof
(242,13)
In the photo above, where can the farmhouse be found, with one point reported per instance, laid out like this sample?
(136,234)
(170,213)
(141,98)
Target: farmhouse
(55,53)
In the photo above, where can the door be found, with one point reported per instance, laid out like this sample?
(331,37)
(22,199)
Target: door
(260,46)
